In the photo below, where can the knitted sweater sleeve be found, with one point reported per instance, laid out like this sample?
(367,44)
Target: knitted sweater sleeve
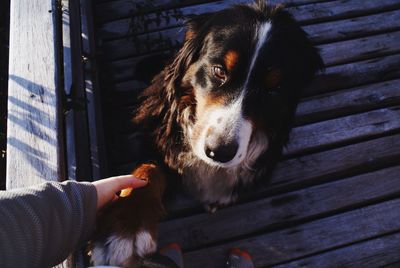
(41,225)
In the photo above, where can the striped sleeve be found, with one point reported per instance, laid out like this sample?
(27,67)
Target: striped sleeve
(41,225)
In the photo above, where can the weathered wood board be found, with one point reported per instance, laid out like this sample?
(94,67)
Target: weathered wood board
(379,252)
(114,10)
(308,238)
(157,42)
(311,13)
(34,136)
(343,130)
(347,101)
(280,210)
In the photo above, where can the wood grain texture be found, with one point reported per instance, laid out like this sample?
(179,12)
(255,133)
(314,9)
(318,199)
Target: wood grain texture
(341,9)
(347,101)
(355,74)
(280,211)
(360,49)
(307,14)
(379,252)
(343,130)
(336,162)
(333,31)
(34,136)
(309,238)
(328,32)
(114,10)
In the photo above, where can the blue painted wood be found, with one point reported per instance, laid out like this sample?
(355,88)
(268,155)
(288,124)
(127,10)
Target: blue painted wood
(286,209)
(119,9)
(309,238)
(379,252)
(307,14)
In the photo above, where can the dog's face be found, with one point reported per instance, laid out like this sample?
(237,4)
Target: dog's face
(245,67)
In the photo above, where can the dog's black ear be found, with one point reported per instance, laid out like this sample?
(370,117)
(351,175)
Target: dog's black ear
(196,29)
(300,53)
(304,57)
(195,24)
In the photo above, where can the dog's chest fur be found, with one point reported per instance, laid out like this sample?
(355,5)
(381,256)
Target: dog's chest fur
(214,185)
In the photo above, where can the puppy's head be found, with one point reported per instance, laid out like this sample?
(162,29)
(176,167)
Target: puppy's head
(245,68)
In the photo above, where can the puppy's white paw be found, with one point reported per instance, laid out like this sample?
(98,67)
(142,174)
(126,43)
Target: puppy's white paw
(98,254)
(120,251)
(145,244)
(116,251)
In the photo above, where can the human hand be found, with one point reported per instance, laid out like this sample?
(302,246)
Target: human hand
(107,188)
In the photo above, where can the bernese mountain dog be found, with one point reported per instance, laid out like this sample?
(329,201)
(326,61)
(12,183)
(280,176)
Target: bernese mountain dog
(217,117)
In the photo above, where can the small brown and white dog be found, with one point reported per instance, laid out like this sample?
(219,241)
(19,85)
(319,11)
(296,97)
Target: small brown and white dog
(217,117)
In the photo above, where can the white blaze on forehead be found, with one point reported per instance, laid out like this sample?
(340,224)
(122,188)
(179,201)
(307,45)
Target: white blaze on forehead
(261,36)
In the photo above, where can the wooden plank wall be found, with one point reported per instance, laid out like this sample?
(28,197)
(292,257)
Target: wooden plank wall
(34,139)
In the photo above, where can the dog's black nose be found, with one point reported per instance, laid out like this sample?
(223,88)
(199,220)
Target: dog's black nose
(222,153)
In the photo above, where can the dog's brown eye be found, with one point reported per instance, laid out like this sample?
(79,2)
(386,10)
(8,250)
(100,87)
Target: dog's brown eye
(219,73)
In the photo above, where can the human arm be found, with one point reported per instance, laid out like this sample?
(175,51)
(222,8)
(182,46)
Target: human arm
(41,225)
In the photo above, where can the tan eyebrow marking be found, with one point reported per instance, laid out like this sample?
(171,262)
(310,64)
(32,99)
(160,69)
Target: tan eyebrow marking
(230,59)
(273,78)
(189,35)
